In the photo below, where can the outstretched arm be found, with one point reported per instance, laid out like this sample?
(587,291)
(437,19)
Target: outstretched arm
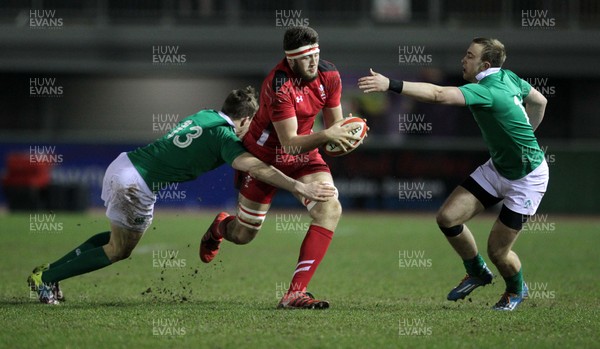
(318,191)
(420,91)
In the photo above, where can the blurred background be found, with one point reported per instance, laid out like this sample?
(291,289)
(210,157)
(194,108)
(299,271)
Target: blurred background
(83,80)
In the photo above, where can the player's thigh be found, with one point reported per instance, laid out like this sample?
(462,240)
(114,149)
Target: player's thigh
(314,177)
(458,208)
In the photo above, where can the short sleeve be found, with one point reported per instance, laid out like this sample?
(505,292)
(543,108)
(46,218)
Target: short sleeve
(230,145)
(476,95)
(334,89)
(282,104)
(525,88)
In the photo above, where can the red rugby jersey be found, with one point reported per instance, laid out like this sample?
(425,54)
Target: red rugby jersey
(284,95)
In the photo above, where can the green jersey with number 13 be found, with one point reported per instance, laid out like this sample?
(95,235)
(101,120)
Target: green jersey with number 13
(196,145)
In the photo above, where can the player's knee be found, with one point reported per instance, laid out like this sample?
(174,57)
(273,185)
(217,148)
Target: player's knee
(447,224)
(496,256)
(125,253)
(330,210)
(247,224)
(117,250)
(445,219)
(117,253)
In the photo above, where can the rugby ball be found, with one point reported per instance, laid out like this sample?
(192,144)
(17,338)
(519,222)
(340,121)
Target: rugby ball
(359,127)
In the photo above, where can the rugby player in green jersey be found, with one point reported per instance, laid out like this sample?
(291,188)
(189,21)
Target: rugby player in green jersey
(198,144)
(507,110)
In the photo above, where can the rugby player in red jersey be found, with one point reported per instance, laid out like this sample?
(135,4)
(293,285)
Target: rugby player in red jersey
(281,134)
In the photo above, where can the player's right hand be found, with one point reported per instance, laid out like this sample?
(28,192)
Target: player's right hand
(341,135)
(317,191)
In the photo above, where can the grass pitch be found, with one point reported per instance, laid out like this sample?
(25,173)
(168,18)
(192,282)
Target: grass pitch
(386,277)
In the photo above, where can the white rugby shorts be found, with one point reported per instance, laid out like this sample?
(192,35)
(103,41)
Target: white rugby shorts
(128,200)
(522,195)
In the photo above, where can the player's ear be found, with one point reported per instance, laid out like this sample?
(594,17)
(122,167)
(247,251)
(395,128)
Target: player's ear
(245,119)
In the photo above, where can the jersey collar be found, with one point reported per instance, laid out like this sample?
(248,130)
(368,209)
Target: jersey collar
(227,118)
(488,71)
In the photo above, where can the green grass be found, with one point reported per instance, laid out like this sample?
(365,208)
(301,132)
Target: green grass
(230,303)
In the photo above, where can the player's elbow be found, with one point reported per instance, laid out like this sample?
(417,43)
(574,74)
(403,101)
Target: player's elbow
(543,102)
(536,99)
(244,162)
(539,102)
(438,97)
(442,97)
(255,171)
(256,168)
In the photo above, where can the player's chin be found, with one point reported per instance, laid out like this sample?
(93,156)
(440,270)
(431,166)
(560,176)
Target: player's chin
(310,77)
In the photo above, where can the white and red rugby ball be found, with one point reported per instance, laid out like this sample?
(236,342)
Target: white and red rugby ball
(359,127)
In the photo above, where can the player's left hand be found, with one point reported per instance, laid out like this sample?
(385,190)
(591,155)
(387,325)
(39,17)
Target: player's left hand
(374,83)
(316,191)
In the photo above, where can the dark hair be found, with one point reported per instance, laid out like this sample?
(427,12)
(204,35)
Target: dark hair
(493,51)
(299,36)
(240,103)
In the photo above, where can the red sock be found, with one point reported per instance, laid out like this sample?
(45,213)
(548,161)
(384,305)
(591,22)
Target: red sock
(312,251)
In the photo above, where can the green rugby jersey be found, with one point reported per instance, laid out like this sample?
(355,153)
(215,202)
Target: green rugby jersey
(497,105)
(198,144)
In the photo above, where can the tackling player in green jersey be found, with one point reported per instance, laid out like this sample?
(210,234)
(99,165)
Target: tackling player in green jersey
(516,174)
(198,144)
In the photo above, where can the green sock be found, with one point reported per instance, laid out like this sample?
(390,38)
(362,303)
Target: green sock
(89,260)
(97,240)
(474,266)
(514,284)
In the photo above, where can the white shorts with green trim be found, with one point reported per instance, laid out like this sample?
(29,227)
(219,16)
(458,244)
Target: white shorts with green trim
(128,200)
(522,195)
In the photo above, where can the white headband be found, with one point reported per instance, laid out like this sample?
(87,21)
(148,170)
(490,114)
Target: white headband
(302,51)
